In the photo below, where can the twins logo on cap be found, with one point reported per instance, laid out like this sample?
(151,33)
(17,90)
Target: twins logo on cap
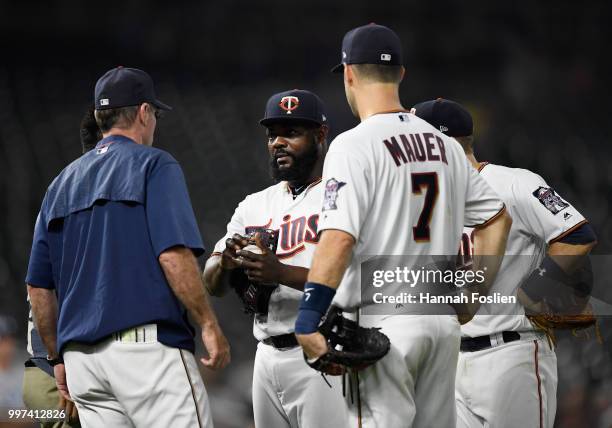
(289,103)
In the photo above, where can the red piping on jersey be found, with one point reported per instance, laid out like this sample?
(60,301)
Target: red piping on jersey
(314,183)
(500,212)
(567,232)
(537,373)
(391,111)
(482,165)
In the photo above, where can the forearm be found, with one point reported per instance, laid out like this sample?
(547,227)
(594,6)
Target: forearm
(331,258)
(44,311)
(294,277)
(215,277)
(183,274)
(489,248)
(569,256)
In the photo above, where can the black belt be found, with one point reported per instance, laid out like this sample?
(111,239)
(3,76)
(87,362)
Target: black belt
(473,344)
(282,341)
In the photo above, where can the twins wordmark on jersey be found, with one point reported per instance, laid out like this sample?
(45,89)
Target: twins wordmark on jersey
(293,234)
(296,221)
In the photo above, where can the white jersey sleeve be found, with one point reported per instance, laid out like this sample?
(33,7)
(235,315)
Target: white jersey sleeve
(482,203)
(235,225)
(543,212)
(347,194)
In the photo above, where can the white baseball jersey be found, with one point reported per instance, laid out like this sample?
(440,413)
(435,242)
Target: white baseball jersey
(540,217)
(296,221)
(400,187)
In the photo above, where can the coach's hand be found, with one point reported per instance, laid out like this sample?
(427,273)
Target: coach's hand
(59,371)
(72,415)
(229,258)
(264,268)
(217,347)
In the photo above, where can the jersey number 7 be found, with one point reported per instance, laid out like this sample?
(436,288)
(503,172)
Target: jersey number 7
(429,180)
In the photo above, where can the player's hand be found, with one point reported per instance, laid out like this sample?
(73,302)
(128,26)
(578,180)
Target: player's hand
(217,347)
(229,258)
(70,408)
(59,371)
(264,268)
(313,344)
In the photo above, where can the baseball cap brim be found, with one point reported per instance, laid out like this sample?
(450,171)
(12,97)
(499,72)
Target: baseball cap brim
(161,106)
(338,68)
(281,119)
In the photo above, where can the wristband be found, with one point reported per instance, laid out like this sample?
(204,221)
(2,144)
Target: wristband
(544,280)
(55,361)
(315,302)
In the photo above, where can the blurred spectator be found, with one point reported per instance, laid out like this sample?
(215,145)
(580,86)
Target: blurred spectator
(11,367)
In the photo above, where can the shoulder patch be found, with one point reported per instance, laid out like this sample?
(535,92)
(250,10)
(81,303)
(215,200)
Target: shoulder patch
(331,194)
(551,201)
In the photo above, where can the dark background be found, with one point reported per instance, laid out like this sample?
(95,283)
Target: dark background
(535,77)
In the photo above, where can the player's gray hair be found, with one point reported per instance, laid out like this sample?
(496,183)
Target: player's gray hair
(121,117)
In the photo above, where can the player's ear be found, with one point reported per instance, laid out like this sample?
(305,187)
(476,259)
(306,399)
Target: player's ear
(349,75)
(322,133)
(142,115)
(402,73)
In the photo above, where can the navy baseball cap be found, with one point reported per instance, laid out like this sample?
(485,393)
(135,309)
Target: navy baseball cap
(449,117)
(296,104)
(123,87)
(370,44)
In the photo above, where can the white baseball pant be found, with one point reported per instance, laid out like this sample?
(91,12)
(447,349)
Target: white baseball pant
(413,385)
(132,380)
(511,385)
(289,394)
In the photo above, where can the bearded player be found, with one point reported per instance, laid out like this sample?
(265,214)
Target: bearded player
(507,369)
(286,392)
(394,186)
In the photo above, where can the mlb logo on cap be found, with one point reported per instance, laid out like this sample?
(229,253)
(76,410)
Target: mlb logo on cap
(123,87)
(370,44)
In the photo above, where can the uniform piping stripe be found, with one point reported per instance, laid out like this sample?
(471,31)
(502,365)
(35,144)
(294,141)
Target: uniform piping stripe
(359,420)
(567,232)
(400,110)
(537,373)
(499,213)
(482,165)
(195,401)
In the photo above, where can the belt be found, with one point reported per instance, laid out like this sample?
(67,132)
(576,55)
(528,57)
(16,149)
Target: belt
(146,333)
(282,341)
(473,344)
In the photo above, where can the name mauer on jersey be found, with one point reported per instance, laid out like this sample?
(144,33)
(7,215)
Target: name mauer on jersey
(293,234)
(416,148)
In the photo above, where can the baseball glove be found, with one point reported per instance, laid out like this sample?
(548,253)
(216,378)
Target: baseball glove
(255,297)
(349,345)
(578,319)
